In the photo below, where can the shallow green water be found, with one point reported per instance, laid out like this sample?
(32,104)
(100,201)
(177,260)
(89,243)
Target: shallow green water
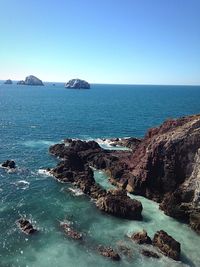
(50,247)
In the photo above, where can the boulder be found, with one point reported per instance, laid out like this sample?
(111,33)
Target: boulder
(77,84)
(10,164)
(109,253)
(167,245)
(141,237)
(25,226)
(70,232)
(117,203)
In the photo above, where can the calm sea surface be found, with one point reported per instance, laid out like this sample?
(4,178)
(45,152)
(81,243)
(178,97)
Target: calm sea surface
(33,118)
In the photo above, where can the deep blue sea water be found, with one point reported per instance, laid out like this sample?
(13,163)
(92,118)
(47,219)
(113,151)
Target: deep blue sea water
(33,118)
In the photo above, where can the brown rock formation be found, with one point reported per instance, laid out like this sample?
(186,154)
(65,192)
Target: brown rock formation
(116,202)
(109,253)
(70,232)
(164,166)
(169,246)
(74,168)
(141,237)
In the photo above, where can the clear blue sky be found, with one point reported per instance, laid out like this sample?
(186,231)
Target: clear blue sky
(102,41)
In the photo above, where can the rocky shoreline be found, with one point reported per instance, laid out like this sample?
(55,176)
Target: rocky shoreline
(77,156)
(163,166)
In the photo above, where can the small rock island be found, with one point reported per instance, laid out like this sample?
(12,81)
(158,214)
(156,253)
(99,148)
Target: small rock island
(31,80)
(8,82)
(77,84)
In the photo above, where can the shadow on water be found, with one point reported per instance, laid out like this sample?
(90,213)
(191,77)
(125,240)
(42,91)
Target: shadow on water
(187,261)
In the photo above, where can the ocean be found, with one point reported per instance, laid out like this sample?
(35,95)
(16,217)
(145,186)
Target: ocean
(32,119)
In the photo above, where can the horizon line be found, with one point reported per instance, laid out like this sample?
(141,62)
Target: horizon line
(103,83)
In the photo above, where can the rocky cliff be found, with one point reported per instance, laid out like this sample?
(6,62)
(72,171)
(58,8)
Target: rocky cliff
(166,167)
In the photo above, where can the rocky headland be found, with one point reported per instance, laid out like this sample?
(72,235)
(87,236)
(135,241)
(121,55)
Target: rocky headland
(31,80)
(163,166)
(77,84)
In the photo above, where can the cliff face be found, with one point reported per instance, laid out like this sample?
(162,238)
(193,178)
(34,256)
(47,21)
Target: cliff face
(166,167)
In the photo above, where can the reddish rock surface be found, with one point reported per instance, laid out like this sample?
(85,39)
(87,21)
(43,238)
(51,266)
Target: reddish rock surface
(117,203)
(109,253)
(74,167)
(141,237)
(167,245)
(164,166)
(70,232)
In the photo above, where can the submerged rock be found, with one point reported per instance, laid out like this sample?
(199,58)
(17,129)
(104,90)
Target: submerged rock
(26,226)
(8,82)
(167,244)
(141,237)
(117,203)
(10,164)
(70,232)
(77,84)
(150,254)
(195,221)
(124,249)
(109,253)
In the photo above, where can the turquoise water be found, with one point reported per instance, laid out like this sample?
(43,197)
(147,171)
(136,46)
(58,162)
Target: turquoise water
(31,119)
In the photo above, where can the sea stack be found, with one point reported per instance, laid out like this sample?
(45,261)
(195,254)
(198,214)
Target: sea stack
(31,80)
(8,82)
(77,84)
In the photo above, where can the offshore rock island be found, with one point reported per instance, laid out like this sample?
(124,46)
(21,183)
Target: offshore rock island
(8,82)
(77,84)
(31,80)
(163,166)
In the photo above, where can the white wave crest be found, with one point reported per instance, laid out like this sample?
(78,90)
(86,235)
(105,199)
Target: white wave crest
(21,184)
(45,172)
(76,191)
